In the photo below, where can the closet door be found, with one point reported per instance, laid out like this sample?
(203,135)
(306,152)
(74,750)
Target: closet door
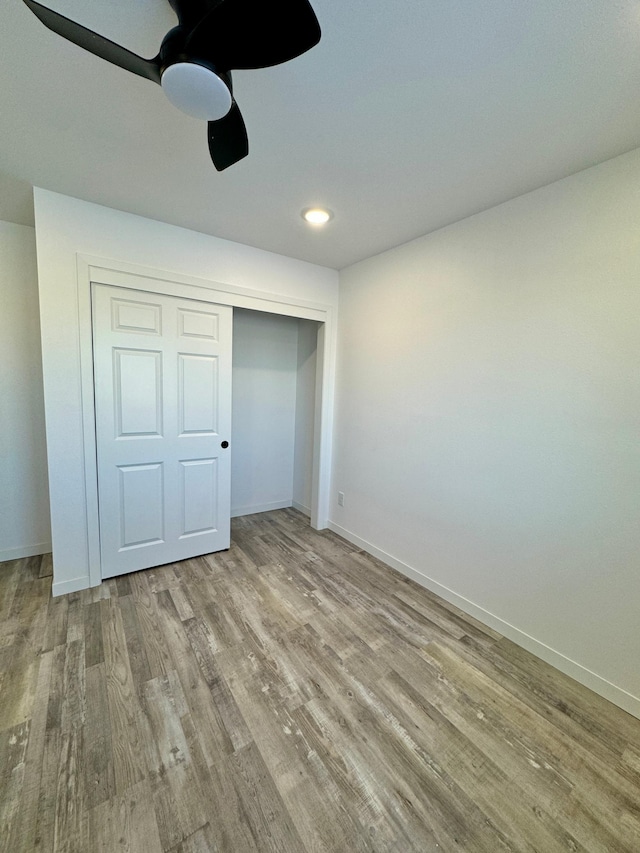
(162,371)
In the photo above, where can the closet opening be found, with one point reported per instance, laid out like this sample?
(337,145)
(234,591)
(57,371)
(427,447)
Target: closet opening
(274,391)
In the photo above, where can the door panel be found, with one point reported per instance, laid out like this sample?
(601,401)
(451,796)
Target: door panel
(132,316)
(163,406)
(199,496)
(141,505)
(197,324)
(198,394)
(137,389)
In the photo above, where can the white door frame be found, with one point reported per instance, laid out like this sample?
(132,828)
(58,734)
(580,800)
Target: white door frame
(121,274)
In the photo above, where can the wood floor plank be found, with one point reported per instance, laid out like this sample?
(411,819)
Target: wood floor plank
(463,762)
(156,650)
(293,694)
(616,796)
(47,801)
(124,709)
(230,716)
(202,841)
(515,752)
(94,648)
(579,721)
(74,709)
(264,811)
(46,566)
(21,838)
(216,740)
(306,783)
(226,827)
(125,823)
(13,749)
(56,632)
(162,578)
(594,714)
(136,649)
(75,617)
(177,795)
(98,766)
(19,661)
(55,699)
(10,578)
(71,816)
(181,602)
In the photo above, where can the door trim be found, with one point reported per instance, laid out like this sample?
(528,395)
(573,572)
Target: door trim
(121,274)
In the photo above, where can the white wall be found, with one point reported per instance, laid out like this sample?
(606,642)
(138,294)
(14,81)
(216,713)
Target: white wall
(66,227)
(265,362)
(305,414)
(24,503)
(488,418)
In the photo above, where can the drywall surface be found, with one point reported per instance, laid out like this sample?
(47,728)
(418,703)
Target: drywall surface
(24,500)
(487,418)
(66,227)
(265,364)
(305,414)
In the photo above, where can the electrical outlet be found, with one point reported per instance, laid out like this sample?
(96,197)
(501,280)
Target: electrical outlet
(340,498)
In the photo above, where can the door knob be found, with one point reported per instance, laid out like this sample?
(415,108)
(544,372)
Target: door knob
(224,444)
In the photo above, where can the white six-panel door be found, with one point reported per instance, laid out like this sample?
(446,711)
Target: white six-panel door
(163,411)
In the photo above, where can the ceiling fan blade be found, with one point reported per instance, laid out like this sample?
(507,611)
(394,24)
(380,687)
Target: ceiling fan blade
(190,12)
(254,33)
(228,140)
(94,43)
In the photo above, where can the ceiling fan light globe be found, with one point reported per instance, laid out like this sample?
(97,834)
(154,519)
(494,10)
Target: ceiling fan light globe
(196,91)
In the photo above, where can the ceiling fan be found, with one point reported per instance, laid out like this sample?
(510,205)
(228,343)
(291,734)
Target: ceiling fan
(195,60)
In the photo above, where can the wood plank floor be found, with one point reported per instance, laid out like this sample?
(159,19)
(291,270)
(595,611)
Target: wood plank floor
(293,694)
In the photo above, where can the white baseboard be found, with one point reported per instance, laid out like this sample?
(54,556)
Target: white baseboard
(251,510)
(72,585)
(617,695)
(301,508)
(24,551)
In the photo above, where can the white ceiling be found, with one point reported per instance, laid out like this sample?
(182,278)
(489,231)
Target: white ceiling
(406,117)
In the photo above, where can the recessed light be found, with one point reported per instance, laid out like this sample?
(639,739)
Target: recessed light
(317,215)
